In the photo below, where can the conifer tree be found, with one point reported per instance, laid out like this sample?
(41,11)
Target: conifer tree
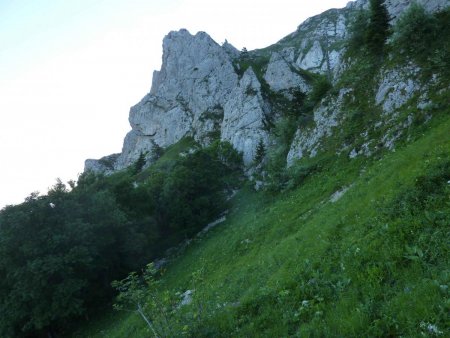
(140,163)
(378,29)
(244,53)
(260,152)
(157,151)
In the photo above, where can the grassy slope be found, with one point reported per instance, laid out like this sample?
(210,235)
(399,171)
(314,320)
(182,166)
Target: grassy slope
(375,263)
(297,264)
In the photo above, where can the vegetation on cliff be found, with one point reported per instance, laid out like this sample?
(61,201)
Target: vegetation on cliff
(349,241)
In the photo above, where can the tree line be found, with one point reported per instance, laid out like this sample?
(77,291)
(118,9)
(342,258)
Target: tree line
(60,252)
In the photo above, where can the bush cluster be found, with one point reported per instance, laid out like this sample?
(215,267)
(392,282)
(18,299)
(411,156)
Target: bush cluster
(60,252)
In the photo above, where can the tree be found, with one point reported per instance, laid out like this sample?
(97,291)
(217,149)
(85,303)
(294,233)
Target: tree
(260,152)
(227,155)
(358,29)
(415,32)
(193,194)
(157,151)
(244,53)
(378,29)
(58,254)
(140,163)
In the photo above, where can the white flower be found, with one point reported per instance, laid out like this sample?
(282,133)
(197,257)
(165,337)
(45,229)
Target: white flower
(51,205)
(433,329)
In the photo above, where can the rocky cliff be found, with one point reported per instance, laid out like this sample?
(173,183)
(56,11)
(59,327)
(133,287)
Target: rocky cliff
(209,91)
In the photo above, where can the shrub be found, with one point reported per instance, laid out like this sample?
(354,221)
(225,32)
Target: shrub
(357,32)
(415,32)
(320,88)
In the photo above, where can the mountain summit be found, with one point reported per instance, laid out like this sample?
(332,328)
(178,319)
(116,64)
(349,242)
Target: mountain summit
(209,91)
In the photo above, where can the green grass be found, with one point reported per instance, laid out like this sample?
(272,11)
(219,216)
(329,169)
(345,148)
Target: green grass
(296,264)
(170,156)
(373,264)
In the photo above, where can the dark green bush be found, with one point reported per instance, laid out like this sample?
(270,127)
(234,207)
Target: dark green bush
(377,31)
(60,252)
(358,29)
(415,32)
(321,87)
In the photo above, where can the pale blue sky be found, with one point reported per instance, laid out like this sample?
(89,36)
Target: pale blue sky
(70,70)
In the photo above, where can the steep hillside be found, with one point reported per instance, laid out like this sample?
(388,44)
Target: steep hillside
(349,235)
(359,249)
(298,190)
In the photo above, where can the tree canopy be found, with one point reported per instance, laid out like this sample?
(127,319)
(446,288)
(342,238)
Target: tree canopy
(60,252)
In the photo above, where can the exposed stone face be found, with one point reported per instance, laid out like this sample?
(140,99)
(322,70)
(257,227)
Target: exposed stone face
(397,7)
(104,165)
(197,91)
(320,51)
(288,54)
(244,115)
(314,57)
(281,74)
(321,36)
(230,50)
(358,4)
(195,81)
(307,141)
(396,87)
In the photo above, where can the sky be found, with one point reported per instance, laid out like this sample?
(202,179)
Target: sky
(71,70)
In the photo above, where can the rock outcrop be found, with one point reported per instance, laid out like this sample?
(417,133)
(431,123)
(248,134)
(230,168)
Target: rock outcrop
(307,140)
(244,116)
(282,73)
(187,96)
(396,87)
(397,7)
(201,91)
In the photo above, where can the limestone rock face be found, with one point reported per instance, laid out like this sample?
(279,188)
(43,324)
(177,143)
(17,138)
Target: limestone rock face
(198,92)
(244,116)
(307,140)
(313,58)
(321,36)
(186,98)
(230,50)
(397,7)
(282,75)
(104,165)
(396,87)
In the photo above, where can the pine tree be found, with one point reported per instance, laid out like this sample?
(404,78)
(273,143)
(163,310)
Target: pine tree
(157,151)
(378,29)
(244,53)
(139,163)
(260,152)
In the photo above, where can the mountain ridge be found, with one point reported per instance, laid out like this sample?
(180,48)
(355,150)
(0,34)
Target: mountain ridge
(198,92)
